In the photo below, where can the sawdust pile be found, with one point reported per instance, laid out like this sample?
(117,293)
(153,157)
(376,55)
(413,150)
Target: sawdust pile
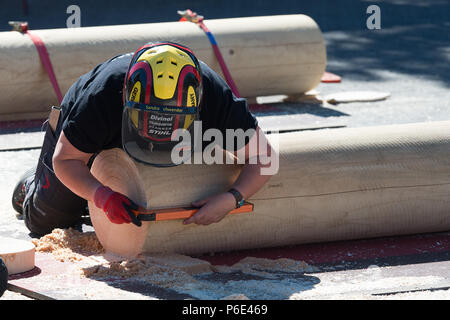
(183,274)
(260,266)
(177,276)
(144,269)
(266,268)
(69,244)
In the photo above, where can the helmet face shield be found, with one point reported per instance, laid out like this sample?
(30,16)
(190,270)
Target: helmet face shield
(162,92)
(157,138)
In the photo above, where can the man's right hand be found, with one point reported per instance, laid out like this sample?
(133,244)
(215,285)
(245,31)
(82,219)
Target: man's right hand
(118,207)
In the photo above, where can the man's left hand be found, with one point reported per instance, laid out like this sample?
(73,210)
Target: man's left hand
(212,209)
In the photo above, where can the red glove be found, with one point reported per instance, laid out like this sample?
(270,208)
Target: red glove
(118,208)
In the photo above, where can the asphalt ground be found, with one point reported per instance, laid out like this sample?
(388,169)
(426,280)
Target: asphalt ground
(409,57)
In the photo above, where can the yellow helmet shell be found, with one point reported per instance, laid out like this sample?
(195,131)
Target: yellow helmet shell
(164,74)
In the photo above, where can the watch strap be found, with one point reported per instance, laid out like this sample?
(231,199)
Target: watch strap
(238,196)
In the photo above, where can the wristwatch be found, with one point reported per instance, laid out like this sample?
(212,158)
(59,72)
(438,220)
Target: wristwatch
(238,196)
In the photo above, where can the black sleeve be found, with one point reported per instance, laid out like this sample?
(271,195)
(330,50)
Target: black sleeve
(94,122)
(221,108)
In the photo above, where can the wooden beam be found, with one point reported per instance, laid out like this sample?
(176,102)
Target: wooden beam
(338,184)
(265,55)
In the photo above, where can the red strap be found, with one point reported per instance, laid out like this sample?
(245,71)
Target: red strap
(220,59)
(42,51)
(43,54)
(188,15)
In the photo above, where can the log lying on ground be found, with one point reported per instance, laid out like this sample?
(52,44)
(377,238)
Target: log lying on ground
(265,55)
(336,184)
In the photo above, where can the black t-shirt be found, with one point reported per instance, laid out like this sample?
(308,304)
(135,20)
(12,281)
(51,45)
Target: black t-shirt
(92,108)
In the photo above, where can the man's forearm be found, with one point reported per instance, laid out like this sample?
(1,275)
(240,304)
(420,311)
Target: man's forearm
(76,176)
(70,166)
(259,167)
(250,180)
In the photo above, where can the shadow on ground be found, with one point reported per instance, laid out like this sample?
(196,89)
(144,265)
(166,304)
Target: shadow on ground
(216,286)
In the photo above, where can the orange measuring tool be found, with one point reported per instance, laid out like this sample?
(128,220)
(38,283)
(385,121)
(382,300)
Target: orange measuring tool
(180,212)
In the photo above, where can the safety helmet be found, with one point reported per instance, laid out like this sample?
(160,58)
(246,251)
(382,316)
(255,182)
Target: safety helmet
(162,93)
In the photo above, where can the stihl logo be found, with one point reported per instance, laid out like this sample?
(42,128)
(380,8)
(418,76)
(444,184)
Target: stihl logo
(134,93)
(192,96)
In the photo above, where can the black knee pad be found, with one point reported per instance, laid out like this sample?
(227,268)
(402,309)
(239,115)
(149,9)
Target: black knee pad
(42,219)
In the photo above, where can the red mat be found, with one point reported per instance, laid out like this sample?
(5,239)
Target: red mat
(329,77)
